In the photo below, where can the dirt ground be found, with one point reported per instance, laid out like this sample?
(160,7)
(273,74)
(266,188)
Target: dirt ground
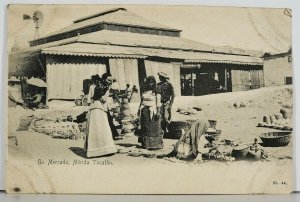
(237,124)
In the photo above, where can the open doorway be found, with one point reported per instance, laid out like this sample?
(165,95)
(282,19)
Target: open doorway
(204,79)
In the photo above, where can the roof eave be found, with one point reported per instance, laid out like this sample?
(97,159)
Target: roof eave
(110,23)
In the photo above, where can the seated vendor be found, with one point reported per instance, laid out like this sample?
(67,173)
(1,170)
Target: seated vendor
(14,95)
(192,142)
(206,145)
(37,99)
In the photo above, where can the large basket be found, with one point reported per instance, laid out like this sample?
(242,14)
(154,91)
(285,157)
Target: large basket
(275,139)
(175,128)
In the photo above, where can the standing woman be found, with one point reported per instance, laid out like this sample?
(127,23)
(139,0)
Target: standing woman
(95,79)
(99,141)
(151,135)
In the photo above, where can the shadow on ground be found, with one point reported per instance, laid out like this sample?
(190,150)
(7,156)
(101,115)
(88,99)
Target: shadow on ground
(82,153)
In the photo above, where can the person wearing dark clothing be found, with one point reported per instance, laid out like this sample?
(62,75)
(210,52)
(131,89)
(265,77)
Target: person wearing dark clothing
(151,136)
(166,90)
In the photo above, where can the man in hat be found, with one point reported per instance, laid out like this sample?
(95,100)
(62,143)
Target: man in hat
(165,88)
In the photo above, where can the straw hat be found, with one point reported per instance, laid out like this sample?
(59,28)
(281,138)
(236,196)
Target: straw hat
(163,74)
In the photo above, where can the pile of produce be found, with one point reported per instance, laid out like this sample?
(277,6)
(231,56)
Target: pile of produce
(280,121)
(227,150)
(187,111)
(66,130)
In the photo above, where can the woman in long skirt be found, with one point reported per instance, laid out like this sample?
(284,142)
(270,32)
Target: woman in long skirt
(151,136)
(99,141)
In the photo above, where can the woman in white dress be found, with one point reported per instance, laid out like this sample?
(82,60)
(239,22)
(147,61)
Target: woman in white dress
(95,78)
(99,141)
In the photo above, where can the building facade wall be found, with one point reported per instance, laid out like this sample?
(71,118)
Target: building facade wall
(276,69)
(65,74)
(247,78)
(125,71)
(171,69)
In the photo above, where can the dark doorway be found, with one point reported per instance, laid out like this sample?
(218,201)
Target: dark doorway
(186,81)
(201,83)
(205,79)
(194,81)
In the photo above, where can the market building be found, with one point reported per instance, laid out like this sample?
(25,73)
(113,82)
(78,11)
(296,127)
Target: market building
(132,48)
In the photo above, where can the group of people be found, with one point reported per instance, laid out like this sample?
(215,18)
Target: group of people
(155,116)
(154,112)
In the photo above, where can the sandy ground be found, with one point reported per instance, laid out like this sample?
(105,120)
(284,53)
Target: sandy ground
(237,124)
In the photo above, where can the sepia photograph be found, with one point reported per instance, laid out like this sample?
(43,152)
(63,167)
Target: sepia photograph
(149,99)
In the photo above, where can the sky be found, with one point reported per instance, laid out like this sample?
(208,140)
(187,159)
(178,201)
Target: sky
(263,29)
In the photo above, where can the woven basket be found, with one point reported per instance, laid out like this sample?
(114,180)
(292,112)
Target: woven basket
(175,128)
(276,139)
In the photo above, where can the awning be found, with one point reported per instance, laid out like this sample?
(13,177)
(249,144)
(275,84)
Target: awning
(112,51)
(87,49)
(191,57)
(226,59)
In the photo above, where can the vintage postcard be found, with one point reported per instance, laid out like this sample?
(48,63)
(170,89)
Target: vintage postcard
(144,99)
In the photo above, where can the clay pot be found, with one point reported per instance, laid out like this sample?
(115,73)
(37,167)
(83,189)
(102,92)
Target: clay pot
(125,101)
(128,127)
(126,113)
(272,118)
(286,113)
(266,119)
(278,116)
